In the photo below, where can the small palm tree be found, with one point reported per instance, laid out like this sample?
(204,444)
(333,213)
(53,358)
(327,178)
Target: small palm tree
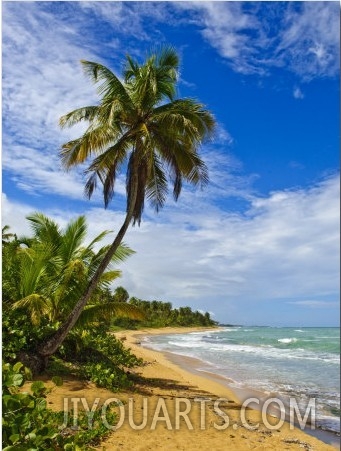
(54,269)
(7,236)
(141,127)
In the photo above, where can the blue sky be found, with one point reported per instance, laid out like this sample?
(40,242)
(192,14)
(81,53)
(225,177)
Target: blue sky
(260,245)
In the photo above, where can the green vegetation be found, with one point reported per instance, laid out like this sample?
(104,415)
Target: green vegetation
(54,266)
(42,278)
(161,314)
(27,423)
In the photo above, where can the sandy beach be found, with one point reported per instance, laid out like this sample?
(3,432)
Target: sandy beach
(172,408)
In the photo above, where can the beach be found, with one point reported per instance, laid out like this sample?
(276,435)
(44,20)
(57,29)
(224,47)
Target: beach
(172,408)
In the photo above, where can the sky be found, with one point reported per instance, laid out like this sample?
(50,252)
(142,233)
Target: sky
(260,244)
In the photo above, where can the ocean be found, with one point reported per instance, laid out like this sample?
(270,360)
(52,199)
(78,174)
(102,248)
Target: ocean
(303,363)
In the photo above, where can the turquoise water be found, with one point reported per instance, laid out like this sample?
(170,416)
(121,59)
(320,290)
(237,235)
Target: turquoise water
(293,362)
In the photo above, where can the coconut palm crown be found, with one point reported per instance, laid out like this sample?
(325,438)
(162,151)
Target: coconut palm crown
(139,123)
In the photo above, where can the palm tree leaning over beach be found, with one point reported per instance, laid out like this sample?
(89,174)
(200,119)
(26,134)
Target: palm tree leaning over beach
(138,125)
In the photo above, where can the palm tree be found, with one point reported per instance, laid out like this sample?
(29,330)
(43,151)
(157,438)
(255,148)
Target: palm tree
(121,295)
(54,269)
(7,236)
(139,125)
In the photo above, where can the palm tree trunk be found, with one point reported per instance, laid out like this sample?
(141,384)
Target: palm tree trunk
(50,346)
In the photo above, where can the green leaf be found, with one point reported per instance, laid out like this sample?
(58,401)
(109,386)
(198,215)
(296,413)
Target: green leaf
(28,373)
(26,420)
(31,436)
(17,367)
(15,380)
(11,403)
(57,380)
(41,404)
(14,438)
(12,448)
(37,387)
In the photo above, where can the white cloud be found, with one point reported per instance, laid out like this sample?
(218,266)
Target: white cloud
(226,26)
(285,247)
(128,20)
(256,37)
(310,41)
(13,214)
(298,94)
(316,304)
(42,80)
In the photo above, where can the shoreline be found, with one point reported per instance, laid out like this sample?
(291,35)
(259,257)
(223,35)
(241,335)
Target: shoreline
(191,364)
(174,384)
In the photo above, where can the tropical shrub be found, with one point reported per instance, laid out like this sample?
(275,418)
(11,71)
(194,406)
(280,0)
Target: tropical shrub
(99,357)
(29,425)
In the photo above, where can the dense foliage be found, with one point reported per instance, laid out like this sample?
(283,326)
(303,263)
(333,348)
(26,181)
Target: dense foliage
(42,277)
(162,314)
(46,273)
(41,274)
(98,356)
(27,423)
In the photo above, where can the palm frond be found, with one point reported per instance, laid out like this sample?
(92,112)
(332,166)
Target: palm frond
(109,276)
(44,228)
(105,167)
(168,66)
(72,238)
(155,79)
(74,269)
(36,305)
(98,238)
(111,87)
(181,159)
(157,187)
(103,312)
(94,140)
(121,254)
(167,57)
(33,268)
(87,113)
(190,115)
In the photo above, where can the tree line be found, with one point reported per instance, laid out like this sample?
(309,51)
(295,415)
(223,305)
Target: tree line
(159,314)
